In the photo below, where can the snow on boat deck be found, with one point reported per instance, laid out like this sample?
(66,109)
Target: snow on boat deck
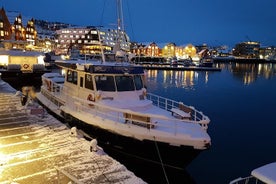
(37,148)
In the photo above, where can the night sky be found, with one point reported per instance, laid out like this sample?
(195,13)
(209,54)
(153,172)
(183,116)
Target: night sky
(214,22)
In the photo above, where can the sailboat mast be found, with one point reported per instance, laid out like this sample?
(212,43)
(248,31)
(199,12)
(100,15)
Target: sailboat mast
(120,15)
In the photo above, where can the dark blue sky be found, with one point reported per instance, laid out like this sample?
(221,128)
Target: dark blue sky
(215,22)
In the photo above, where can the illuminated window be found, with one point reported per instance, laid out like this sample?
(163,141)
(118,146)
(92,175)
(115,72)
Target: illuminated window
(1,24)
(2,33)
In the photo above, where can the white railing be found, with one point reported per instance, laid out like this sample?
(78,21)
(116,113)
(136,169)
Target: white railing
(168,104)
(52,96)
(124,115)
(245,180)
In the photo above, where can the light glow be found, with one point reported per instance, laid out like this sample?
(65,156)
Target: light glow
(4,60)
(40,60)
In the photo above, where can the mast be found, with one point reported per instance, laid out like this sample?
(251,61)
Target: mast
(120,21)
(101,44)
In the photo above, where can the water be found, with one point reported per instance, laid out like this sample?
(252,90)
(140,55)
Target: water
(240,101)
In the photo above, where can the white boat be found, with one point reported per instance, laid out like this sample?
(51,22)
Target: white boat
(112,99)
(265,174)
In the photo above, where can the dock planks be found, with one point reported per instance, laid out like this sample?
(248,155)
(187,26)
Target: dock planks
(37,148)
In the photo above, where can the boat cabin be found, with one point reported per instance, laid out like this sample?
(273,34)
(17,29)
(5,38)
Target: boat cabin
(100,82)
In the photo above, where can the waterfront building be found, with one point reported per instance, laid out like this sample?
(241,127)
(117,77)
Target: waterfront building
(87,40)
(189,51)
(248,50)
(5,26)
(268,53)
(169,50)
(151,50)
(13,32)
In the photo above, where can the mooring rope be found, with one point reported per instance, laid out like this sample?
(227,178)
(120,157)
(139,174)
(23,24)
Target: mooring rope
(159,155)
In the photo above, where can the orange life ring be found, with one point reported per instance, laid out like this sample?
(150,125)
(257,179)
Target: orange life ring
(91,98)
(25,66)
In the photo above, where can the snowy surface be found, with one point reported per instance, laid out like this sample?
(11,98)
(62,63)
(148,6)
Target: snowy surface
(37,148)
(266,173)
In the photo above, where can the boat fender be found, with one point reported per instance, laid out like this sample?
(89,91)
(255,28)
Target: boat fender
(91,98)
(73,132)
(144,91)
(93,145)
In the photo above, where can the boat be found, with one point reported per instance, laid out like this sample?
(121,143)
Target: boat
(205,59)
(16,60)
(112,99)
(109,100)
(265,174)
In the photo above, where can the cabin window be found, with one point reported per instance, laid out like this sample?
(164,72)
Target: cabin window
(81,81)
(88,82)
(124,83)
(72,77)
(105,83)
(138,82)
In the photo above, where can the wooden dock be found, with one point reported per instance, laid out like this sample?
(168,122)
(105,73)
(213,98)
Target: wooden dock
(37,148)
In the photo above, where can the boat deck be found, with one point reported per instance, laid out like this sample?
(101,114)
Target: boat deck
(37,148)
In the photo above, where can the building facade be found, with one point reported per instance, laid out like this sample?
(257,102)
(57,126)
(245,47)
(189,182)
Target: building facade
(5,26)
(15,34)
(89,40)
(247,50)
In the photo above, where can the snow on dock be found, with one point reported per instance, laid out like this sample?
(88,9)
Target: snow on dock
(37,148)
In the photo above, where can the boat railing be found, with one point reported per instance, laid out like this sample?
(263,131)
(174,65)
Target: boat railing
(169,104)
(53,95)
(246,180)
(129,117)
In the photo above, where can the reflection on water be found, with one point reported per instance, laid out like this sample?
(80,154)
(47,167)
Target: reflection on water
(247,73)
(180,79)
(250,72)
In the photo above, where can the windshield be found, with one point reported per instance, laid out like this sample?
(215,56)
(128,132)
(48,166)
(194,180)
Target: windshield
(138,82)
(105,83)
(124,83)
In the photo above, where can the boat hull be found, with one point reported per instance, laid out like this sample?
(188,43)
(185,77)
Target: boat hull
(119,146)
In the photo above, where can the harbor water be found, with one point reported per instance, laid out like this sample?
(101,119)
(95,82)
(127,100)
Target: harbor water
(240,101)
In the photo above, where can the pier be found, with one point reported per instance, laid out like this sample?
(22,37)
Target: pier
(37,148)
(178,68)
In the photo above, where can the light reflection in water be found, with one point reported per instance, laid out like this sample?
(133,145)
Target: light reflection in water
(179,79)
(250,72)
(246,73)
